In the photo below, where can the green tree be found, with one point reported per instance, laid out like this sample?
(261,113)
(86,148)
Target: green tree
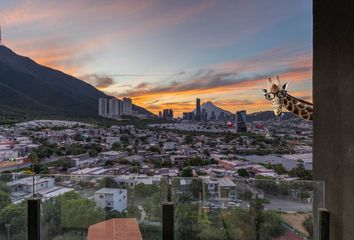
(272,227)
(256,211)
(242,172)
(308,225)
(107,182)
(300,172)
(186,220)
(187,172)
(116,146)
(15,215)
(33,157)
(188,139)
(5,199)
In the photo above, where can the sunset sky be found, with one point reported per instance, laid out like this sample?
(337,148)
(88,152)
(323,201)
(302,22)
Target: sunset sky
(164,54)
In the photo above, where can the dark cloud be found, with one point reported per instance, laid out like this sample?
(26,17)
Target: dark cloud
(200,81)
(99,81)
(206,80)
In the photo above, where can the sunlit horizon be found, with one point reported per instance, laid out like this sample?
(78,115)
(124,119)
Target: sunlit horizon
(167,54)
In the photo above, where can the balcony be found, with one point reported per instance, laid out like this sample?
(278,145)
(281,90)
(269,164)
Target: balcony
(113,207)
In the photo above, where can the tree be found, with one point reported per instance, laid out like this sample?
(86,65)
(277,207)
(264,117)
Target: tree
(80,213)
(256,211)
(242,172)
(308,225)
(155,149)
(5,199)
(33,157)
(188,139)
(279,169)
(187,172)
(142,190)
(15,215)
(300,172)
(272,226)
(186,220)
(108,182)
(116,146)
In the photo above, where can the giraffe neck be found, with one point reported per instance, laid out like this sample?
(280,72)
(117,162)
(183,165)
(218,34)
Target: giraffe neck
(299,107)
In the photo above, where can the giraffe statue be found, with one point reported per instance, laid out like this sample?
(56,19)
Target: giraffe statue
(279,97)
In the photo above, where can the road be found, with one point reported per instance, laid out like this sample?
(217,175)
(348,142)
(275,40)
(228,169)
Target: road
(288,205)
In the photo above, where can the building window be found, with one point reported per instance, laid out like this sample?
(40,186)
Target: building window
(101,196)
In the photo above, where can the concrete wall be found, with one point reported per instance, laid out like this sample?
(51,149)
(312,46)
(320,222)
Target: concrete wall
(333,86)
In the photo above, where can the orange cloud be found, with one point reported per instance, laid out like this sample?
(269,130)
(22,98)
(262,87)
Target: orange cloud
(295,71)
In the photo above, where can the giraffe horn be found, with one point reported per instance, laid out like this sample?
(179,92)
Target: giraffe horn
(269,82)
(278,82)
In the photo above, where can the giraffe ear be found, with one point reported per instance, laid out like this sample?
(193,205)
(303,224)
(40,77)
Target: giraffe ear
(264,90)
(285,86)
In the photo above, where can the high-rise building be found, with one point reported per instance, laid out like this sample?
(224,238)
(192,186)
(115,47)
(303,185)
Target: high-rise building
(103,107)
(241,121)
(188,116)
(213,117)
(160,114)
(221,116)
(167,113)
(204,115)
(127,106)
(114,109)
(198,112)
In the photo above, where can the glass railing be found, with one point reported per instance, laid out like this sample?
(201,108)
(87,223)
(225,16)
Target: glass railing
(101,207)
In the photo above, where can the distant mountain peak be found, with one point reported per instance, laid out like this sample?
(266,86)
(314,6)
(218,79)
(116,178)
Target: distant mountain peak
(212,109)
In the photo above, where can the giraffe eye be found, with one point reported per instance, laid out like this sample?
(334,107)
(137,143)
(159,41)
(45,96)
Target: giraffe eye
(281,94)
(269,96)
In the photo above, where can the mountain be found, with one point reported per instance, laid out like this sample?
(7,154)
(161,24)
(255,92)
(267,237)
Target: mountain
(268,115)
(26,86)
(211,107)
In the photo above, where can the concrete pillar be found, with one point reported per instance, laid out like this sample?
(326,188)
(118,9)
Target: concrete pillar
(333,91)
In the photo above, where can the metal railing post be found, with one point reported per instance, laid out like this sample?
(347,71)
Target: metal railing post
(33,218)
(324,219)
(167,221)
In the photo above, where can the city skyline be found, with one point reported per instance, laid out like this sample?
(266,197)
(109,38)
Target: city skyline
(164,55)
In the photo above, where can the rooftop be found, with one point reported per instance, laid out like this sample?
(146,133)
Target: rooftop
(115,229)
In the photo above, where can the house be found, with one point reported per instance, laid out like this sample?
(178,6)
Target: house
(178,160)
(111,155)
(169,146)
(111,198)
(44,187)
(211,187)
(7,153)
(83,162)
(26,184)
(135,158)
(111,140)
(115,229)
(227,189)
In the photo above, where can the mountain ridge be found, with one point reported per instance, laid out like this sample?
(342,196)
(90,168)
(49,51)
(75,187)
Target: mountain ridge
(27,86)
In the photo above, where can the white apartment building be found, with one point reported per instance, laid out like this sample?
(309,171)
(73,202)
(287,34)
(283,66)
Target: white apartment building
(111,140)
(103,107)
(111,198)
(115,108)
(127,106)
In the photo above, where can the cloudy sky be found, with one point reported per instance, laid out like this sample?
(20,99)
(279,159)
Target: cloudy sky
(164,54)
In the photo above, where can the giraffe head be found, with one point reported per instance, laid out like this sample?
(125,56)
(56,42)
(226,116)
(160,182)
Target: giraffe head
(275,93)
